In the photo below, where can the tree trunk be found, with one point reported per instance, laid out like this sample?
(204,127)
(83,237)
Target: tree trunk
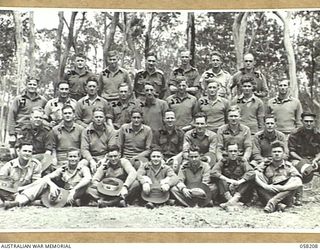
(32,45)
(239,32)
(191,35)
(20,51)
(68,45)
(148,35)
(57,42)
(109,39)
(289,51)
(76,34)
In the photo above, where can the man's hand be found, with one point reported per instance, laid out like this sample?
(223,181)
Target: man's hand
(71,196)
(187,192)
(146,188)
(165,187)
(54,190)
(124,192)
(52,124)
(93,166)
(271,188)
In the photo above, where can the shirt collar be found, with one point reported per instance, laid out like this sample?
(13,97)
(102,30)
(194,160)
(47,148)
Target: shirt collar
(215,74)
(194,132)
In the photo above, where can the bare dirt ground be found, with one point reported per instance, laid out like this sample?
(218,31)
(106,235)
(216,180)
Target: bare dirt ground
(133,217)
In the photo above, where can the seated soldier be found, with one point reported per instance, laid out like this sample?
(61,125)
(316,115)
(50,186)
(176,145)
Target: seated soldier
(39,135)
(86,105)
(21,171)
(113,166)
(65,136)
(170,140)
(53,108)
(236,132)
(156,175)
(194,173)
(73,177)
(277,180)
(21,107)
(304,150)
(202,138)
(135,139)
(235,177)
(262,140)
(96,138)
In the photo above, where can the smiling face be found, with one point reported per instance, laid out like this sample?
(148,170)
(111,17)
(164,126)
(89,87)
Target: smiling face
(114,157)
(212,88)
(25,152)
(156,158)
(169,119)
(32,86)
(68,114)
(73,157)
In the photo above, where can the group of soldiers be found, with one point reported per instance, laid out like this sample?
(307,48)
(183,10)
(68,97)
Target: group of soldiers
(188,139)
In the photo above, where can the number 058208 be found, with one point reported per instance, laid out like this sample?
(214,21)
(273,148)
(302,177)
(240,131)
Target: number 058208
(306,245)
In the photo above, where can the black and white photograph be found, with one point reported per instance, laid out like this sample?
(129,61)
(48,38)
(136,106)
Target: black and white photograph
(159,121)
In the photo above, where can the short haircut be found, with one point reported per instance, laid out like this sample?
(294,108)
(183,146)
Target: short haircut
(231,143)
(22,142)
(200,115)
(74,150)
(100,109)
(112,53)
(151,54)
(80,55)
(92,79)
(62,82)
(113,147)
(136,110)
(31,78)
(249,54)
(304,114)
(169,110)
(247,79)
(67,106)
(37,109)
(284,79)
(155,148)
(216,53)
(234,108)
(194,148)
(269,116)
(277,144)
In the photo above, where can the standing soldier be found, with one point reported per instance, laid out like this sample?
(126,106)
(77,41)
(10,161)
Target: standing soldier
(54,106)
(261,87)
(21,107)
(190,73)
(78,76)
(216,74)
(111,77)
(251,107)
(150,74)
(285,108)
